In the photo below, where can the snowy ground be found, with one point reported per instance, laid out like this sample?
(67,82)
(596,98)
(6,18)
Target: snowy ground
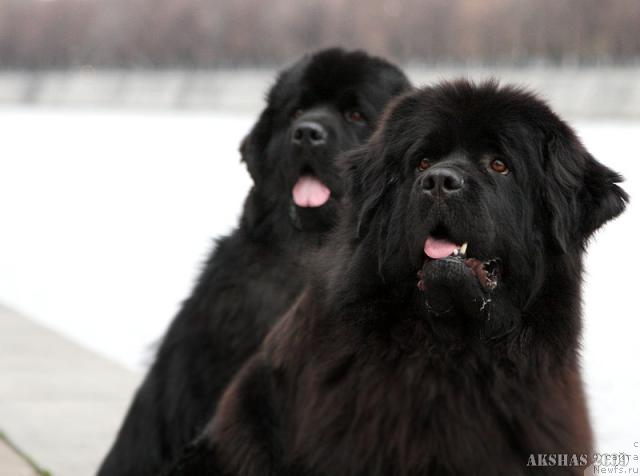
(105,218)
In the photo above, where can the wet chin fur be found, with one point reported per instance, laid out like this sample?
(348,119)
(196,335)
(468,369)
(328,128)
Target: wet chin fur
(314,219)
(456,284)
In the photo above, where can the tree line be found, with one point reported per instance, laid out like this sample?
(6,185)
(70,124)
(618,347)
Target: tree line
(39,34)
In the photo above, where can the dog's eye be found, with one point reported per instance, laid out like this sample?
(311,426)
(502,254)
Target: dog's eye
(424,164)
(499,166)
(297,113)
(355,117)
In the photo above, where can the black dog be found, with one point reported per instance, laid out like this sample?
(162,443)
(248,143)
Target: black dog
(441,336)
(322,105)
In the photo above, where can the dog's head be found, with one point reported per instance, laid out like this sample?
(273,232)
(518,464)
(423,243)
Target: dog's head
(324,104)
(480,191)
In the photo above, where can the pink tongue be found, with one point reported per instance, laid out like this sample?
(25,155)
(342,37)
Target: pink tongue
(438,249)
(310,192)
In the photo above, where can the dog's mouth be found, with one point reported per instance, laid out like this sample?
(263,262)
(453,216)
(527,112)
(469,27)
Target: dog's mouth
(440,249)
(436,248)
(310,192)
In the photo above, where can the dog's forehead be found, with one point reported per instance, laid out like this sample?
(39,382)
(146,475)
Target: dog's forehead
(320,81)
(442,124)
(339,76)
(465,107)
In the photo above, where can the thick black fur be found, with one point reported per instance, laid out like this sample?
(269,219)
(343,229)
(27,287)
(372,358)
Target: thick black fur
(364,377)
(253,276)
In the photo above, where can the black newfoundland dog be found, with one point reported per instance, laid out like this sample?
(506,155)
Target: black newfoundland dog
(322,105)
(440,333)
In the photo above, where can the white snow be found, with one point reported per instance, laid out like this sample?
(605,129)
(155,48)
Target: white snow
(105,218)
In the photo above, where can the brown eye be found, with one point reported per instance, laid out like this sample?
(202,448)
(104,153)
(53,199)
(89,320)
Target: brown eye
(499,166)
(297,113)
(424,164)
(355,116)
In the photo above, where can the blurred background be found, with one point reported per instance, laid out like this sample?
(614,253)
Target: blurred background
(212,54)
(119,127)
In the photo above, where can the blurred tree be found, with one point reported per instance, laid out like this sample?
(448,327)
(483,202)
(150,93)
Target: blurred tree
(209,33)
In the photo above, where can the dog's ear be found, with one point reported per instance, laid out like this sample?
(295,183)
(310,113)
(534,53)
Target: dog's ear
(368,181)
(371,170)
(582,193)
(603,199)
(253,146)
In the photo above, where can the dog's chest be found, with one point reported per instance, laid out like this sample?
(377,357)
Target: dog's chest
(405,417)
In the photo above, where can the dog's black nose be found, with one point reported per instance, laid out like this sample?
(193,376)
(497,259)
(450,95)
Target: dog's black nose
(311,133)
(441,182)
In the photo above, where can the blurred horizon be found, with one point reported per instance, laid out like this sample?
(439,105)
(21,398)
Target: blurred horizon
(206,34)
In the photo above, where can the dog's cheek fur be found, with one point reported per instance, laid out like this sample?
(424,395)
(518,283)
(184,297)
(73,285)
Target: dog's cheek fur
(379,210)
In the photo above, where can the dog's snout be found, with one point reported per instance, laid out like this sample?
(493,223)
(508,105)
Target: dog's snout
(309,133)
(442,182)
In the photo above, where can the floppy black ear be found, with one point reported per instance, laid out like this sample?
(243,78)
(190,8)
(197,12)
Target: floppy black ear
(368,181)
(604,198)
(371,170)
(253,146)
(582,193)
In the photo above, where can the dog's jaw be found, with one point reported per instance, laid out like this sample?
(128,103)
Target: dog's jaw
(449,279)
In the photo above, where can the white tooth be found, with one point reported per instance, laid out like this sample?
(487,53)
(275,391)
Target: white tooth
(463,249)
(455,252)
